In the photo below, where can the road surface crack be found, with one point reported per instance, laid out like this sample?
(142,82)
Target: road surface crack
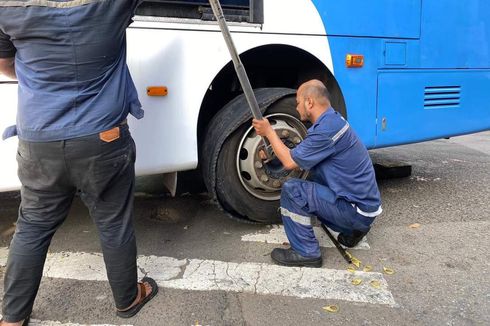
(258,278)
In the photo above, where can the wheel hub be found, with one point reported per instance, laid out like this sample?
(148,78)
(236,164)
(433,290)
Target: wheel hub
(264,179)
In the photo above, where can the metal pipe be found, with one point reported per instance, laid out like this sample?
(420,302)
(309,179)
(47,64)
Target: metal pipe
(337,245)
(239,68)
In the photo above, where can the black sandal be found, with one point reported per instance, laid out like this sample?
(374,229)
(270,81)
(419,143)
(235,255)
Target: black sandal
(144,298)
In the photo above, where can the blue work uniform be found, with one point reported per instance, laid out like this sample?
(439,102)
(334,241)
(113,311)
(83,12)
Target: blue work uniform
(343,193)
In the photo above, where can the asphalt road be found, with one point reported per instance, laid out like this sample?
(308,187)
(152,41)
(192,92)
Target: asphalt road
(441,267)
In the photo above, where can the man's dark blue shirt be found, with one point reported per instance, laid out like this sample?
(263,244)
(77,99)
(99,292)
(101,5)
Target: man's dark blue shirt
(338,159)
(70,60)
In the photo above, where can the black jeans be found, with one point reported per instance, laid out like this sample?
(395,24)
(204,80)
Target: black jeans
(51,174)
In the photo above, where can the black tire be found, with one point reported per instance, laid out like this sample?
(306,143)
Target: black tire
(230,190)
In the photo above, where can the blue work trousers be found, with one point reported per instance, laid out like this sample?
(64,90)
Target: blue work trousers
(303,200)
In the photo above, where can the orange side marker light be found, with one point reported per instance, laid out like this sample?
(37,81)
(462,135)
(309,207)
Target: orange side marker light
(354,61)
(156,91)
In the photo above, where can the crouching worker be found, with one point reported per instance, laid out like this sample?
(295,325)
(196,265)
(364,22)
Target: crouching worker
(344,195)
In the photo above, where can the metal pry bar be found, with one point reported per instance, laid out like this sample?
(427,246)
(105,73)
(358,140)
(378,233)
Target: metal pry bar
(239,68)
(337,245)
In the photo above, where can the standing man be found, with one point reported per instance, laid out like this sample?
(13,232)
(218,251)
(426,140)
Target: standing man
(75,92)
(344,194)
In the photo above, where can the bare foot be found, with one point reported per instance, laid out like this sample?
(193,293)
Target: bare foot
(148,290)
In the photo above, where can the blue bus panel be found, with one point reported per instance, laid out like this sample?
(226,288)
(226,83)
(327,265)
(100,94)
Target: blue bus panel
(411,48)
(455,34)
(375,18)
(429,104)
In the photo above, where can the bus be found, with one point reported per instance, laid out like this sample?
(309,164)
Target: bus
(400,72)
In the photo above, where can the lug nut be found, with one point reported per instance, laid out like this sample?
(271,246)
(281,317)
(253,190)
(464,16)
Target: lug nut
(285,133)
(276,184)
(258,164)
(264,178)
(297,140)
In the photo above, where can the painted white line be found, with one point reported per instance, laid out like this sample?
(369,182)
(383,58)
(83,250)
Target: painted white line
(208,275)
(36,322)
(278,235)
(3,256)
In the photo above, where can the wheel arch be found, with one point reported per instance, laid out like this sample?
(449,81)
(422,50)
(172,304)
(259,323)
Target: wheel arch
(272,65)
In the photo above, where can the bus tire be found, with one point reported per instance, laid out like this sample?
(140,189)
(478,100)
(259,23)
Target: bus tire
(246,189)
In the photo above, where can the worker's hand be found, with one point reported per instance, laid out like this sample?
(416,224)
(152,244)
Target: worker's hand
(262,127)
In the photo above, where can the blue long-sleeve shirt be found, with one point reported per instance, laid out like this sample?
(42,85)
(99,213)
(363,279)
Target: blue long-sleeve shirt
(338,159)
(70,60)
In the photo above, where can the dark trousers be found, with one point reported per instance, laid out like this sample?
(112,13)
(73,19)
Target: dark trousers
(51,174)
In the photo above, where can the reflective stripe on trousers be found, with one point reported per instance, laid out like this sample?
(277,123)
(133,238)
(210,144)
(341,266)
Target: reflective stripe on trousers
(303,200)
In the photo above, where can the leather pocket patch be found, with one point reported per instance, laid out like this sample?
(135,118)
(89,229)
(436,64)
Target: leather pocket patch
(110,135)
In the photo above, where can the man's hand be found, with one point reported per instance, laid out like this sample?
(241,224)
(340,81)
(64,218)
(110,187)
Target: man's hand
(263,127)
(7,67)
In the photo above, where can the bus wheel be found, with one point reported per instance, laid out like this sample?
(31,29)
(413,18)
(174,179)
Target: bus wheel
(248,186)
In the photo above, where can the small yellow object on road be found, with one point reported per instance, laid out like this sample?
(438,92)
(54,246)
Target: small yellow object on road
(351,269)
(375,284)
(388,271)
(356,262)
(414,226)
(356,281)
(368,268)
(331,308)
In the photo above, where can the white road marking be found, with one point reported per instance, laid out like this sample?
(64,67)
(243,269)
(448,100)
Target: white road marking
(278,235)
(208,275)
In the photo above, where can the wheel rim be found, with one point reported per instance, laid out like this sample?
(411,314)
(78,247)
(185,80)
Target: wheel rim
(264,180)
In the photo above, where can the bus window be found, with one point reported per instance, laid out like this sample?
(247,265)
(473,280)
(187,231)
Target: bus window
(250,11)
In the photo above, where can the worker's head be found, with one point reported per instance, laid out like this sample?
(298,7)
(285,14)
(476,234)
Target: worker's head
(312,99)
